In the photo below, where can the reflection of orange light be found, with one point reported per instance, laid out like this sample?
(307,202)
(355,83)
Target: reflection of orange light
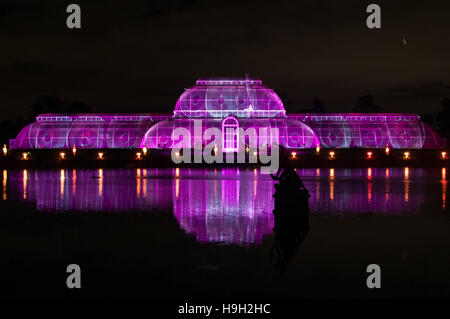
(387,150)
(331,189)
(144,183)
(5,183)
(100,155)
(25,178)
(369,173)
(387,184)
(369,155)
(369,191)
(406,184)
(406,191)
(5,150)
(294,154)
(444,155)
(61,182)
(318,172)
(444,187)
(138,183)
(100,182)
(406,155)
(331,183)
(177,172)
(74,181)
(332,155)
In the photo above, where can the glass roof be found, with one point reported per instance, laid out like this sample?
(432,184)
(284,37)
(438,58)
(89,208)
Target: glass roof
(222,97)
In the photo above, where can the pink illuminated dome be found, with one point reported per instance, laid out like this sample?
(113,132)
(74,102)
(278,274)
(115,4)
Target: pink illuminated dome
(222,97)
(229,104)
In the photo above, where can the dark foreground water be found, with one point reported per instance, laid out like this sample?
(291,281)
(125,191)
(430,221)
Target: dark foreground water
(180,233)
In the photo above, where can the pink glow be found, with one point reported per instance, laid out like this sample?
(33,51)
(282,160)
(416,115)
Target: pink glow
(252,104)
(230,131)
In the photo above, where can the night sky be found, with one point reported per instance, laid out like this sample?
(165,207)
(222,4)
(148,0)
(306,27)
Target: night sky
(139,55)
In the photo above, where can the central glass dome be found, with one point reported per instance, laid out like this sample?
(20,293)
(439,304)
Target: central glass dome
(222,97)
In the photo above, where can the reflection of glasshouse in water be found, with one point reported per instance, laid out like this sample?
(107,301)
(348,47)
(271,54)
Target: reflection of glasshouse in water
(225,205)
(231,106)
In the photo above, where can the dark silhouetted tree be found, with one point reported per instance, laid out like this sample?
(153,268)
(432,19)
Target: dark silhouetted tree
(53,104)
(78,107)
(317,106)
(43,104)
(366,104)
(287,103)
(7,130)
(46,104)
(430,119)
(443,119)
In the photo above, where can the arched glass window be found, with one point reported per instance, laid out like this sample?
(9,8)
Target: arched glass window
(230,134)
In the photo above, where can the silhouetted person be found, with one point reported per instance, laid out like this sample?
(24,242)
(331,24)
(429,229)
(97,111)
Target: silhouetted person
(290,185)
(290,229)
(286,174)
(291,212)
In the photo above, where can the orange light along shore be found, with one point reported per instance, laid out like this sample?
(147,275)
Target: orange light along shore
(162,158)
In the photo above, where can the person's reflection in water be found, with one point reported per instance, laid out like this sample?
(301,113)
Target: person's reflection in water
(291,213)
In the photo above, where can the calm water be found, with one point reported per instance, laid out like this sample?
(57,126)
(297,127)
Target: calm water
(188,233)
(227,206)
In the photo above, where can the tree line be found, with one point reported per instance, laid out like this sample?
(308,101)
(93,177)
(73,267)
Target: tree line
(43,104)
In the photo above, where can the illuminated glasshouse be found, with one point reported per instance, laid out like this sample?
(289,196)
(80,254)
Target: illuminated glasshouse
(231,106)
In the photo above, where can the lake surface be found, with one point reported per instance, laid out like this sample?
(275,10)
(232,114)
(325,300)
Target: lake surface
(396,217)
(231,206)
